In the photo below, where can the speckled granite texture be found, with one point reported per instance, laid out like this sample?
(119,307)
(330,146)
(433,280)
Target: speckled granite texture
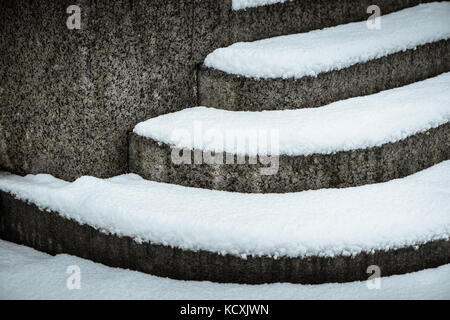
(49,232)
(296,173)
(221,90)
(69,97)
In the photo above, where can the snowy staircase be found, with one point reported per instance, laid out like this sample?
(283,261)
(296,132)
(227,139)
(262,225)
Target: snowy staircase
(248,20)
(322,66)
(352,142)
(321,193)
(197,234)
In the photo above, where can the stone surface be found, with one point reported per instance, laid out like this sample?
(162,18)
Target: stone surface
(69,97)
(217,26)
(152,160)
(226,91)
(49,232)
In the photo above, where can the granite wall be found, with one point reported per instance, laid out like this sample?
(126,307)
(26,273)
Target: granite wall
(68,98)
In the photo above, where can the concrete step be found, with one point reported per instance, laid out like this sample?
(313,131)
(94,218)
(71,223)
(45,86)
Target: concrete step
(195,234)
(217,24)
(320,67)
(352,142)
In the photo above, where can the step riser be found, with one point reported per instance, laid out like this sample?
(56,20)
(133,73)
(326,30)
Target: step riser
(216,25)
(49,232)
(296,173)
(221,90)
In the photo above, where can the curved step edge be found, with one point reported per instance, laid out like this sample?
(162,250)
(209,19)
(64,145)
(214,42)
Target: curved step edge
(152,160)
(217,25)
(25,223)
(227,91)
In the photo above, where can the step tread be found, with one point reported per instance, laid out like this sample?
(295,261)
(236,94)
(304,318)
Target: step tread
(335,48)
(355,123)
(395,214)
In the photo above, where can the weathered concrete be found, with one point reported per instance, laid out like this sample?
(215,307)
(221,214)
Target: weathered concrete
(152,160)
(49,232)
(226,91)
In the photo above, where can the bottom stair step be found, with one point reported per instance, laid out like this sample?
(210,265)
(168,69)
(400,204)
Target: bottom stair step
(320,236)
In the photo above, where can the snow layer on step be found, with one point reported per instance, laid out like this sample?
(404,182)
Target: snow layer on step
(356,123)
(242,4)
(328,222)
(309,54)
(29,274)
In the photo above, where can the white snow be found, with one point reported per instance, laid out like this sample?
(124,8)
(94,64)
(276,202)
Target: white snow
(356,123)
(309,54)
(29,274)
(243,4)
(328,222)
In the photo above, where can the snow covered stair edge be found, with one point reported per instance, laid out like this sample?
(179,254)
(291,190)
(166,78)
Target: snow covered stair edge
(334,48)
(356,123)
(243,4)
(404,212)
